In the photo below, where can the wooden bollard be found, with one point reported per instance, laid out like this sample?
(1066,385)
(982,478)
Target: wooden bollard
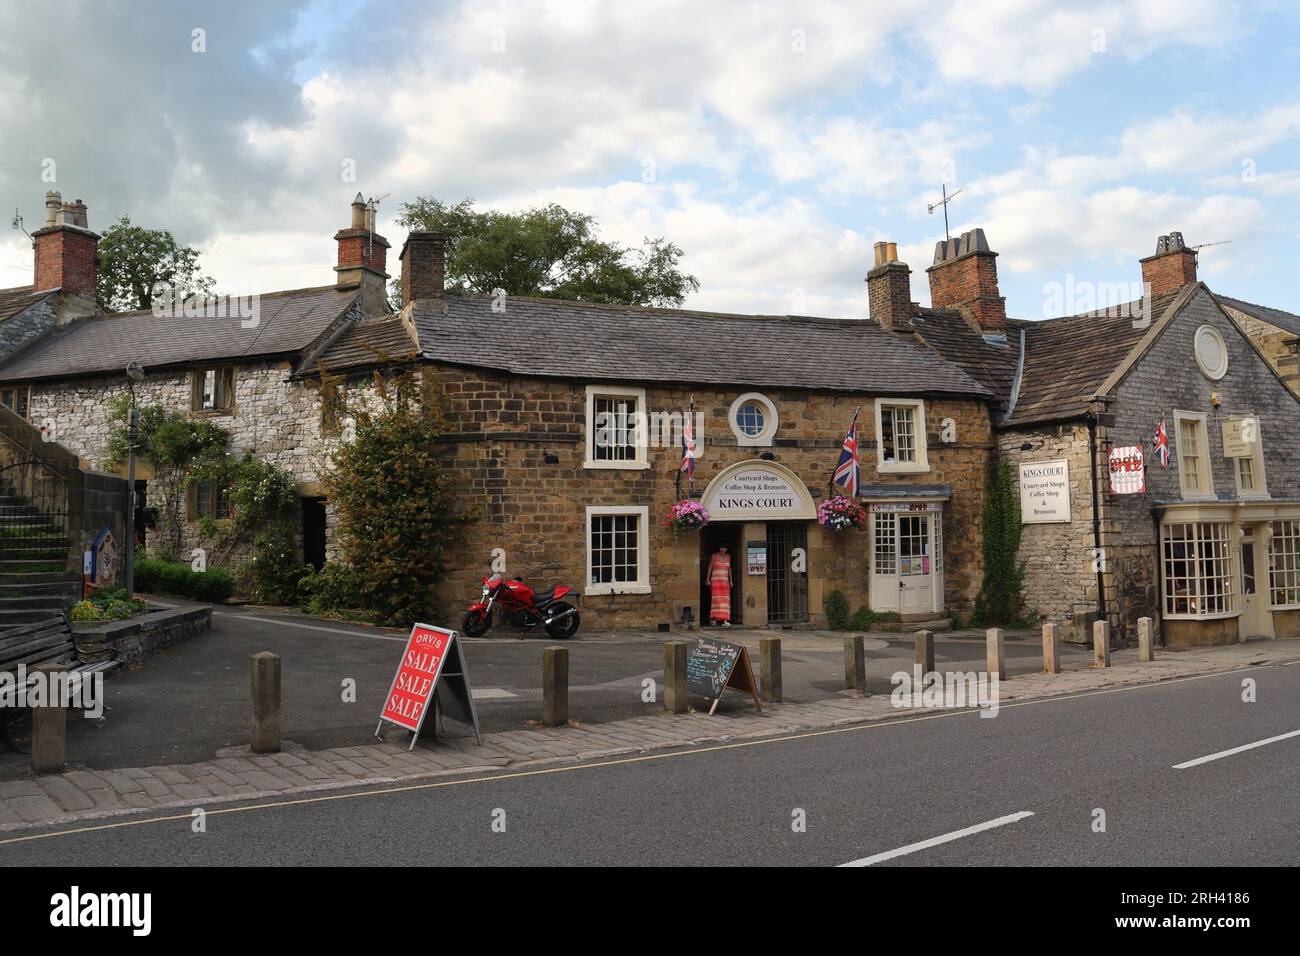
(675,656)
(1051,649)
(925,651)
(264,734)
(855,663)
(555,686)
(1101,644)
(997,653)
(769,663)
(1146,640)
(50,723)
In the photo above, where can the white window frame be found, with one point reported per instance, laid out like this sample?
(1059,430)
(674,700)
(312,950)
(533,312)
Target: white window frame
(922,463)
(1198,597)
(642,584)
(1216,373)
(1206,472)
(641,461)
(770,421)
(1256,459)
(1283,565)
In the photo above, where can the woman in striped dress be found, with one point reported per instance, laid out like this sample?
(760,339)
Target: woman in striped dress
(720,588)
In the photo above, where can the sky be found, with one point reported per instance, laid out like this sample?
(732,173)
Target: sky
(773,142)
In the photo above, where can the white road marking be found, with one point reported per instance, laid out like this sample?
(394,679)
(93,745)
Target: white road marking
(1235,750)
(946,838)
(491,693)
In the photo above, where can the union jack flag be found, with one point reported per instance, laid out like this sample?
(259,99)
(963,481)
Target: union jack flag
(688,445)
(848,471)
(1161,448)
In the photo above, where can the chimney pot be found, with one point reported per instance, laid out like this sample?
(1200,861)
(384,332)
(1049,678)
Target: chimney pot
(1172,267)
(965,277)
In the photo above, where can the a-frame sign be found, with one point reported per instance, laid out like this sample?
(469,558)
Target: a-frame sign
(713,666)
(431,677)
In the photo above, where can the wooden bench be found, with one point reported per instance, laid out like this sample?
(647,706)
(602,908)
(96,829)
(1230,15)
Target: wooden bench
(46,642)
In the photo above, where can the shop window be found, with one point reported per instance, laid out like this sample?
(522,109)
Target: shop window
(616,432)
(208,500)
(753,420)
(618,558)
(212,390)
(900,436)
(886,545)
(1193,455)
(1198,571)
(1284,564)
(18,399)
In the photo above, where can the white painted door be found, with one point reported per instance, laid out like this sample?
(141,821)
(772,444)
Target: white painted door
(915,564)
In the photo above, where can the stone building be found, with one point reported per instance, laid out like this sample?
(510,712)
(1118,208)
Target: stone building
(524,386)
(1211,548)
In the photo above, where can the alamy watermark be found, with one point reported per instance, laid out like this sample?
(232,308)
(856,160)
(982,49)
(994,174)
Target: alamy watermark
(24,688)
(1130,300)
(169,302)
(954,689)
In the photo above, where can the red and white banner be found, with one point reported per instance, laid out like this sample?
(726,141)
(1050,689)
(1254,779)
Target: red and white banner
(417,675)
(1128,474)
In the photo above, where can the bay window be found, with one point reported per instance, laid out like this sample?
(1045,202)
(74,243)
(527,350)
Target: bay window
(1198,572)
(1284,564)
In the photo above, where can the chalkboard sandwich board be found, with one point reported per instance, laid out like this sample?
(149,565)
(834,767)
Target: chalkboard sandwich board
(713,666)
(430,677)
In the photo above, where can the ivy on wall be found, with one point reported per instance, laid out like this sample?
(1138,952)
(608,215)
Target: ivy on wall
(1000,601)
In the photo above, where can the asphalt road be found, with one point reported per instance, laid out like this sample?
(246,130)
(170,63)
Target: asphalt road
(190,702)
(1043,769)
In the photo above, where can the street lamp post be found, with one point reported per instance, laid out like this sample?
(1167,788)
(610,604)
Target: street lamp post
(134,373)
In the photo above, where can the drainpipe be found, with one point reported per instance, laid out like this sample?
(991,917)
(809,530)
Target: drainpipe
(1096,516)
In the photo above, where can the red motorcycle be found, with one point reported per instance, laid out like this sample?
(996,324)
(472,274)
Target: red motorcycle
(522,607)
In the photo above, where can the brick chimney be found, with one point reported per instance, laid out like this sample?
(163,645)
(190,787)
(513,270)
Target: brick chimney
(423,267)
(965,277)
(889,289)
(1172,267)
(363,257)
(66,250)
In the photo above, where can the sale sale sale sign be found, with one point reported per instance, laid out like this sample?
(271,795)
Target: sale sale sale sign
(431,675)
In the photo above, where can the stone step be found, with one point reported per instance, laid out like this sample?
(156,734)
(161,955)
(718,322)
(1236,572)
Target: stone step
(35,601)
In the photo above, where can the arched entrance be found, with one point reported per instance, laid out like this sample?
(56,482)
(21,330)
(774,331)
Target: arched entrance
(760,510)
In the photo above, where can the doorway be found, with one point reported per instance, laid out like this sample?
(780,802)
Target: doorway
(787,578)
(1256,619)
(906,559)
(313,532)
(713,537)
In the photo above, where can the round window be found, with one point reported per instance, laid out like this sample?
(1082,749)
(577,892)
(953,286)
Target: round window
(1211,352)
(751,420)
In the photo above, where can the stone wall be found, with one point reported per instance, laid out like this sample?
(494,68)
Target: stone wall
(1061,582)
(1278,345)
(500,429)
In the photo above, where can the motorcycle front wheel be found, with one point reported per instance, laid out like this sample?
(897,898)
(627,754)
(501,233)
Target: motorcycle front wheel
(565,627)
(476,624)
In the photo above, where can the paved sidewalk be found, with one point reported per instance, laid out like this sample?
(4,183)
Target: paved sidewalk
(83,795)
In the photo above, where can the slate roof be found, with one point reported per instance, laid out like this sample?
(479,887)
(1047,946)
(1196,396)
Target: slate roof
(992,365)
(1068,359)
(563,339)
(288,322)
(367,343)
(13,301)
(1276,317)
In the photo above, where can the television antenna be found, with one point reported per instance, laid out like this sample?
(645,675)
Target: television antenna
(931,207)
(1206,245)
(17,223)
(371,204)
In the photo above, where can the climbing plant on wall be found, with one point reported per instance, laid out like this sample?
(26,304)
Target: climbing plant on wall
(1000,600)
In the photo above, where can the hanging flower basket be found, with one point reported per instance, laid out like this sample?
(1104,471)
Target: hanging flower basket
(838,513)
(686,516)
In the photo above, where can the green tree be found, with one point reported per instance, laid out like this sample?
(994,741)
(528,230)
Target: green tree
(175,447)
(549,251)
(132,260)
(1000,600)
(394,500)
